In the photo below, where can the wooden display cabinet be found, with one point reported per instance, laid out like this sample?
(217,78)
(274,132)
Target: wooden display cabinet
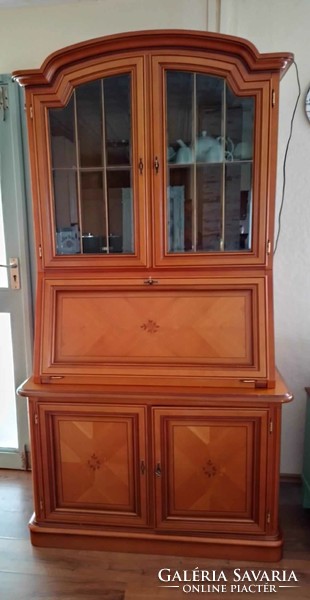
(154,402)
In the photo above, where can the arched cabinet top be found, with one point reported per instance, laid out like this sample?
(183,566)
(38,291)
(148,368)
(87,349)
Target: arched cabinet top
(219,45)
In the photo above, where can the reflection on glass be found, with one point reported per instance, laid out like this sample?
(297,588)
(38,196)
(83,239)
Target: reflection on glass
(239,125)
(93,212)
(117,120)
(91,163)
(120,211)
(180,117)
(209,164)
(238,227)
(209,208)
(66,212)
(180,222)
(62,130)
(209,122)
(89,124)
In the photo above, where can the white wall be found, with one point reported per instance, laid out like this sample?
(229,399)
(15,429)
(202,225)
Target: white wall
(283,25)
(28,35)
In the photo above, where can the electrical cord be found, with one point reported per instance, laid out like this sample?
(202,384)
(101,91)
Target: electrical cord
(285,159)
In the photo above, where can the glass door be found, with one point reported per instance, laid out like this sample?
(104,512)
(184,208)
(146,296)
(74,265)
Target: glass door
(97,170)
(15,301)
(209,132)
(210,164)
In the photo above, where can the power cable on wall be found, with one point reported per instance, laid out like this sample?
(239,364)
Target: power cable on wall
(285,158)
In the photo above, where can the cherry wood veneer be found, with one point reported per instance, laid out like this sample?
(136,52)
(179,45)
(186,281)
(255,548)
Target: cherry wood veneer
(154,405)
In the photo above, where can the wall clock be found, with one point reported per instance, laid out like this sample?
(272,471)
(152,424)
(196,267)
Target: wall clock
(307,104)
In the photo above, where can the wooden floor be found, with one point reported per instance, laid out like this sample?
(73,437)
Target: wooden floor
(28,573)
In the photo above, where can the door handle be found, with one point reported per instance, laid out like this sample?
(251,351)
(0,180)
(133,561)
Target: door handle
(158,470)
(14,273)
(142,467)
(4,102)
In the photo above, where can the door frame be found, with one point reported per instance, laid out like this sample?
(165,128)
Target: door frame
(17,245)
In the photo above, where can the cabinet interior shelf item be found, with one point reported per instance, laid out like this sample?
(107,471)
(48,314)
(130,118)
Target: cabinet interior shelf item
(154,403)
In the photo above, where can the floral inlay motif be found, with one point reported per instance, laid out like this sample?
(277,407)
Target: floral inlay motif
(209,468)
(150,326)
(94,463)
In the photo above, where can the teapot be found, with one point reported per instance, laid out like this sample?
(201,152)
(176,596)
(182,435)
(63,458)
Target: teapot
(184,154)
(243,151)
(209,149)
(171,154)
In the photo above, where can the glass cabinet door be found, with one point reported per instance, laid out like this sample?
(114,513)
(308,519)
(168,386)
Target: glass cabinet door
(91,159)
(209,133)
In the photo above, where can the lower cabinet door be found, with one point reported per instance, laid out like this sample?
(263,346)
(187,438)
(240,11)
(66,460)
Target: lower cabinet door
(93,463)
(211,469)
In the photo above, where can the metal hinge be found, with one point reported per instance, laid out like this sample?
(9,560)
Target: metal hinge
(258,383)
(36,419)
(31,111)
(268,247)
(273,98)
(271,426)
(268,517)
(41,504)
(4,101)
(40,251)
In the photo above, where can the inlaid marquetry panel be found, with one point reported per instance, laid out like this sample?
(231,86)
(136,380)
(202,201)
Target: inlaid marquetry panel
(93,457)
(205,326)
(97,461)
(210,471)
(216,328)
(211,465)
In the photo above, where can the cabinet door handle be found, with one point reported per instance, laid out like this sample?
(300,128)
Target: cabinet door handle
(150,281)
(142,467)
(141,166)
(156,164)
(158,470)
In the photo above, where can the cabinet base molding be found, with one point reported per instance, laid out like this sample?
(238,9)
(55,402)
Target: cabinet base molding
(177,545)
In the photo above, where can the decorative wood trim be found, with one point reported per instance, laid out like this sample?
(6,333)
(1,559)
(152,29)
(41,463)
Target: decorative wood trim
(258,549)
(246,364)
(202,430)
(71,444)
(138,41)
(146,394)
